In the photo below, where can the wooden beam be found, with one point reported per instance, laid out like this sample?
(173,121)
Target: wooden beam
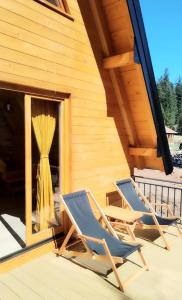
(106,45)
(120,94)
(31,90)
(28,168)
(118,61)
(151,152)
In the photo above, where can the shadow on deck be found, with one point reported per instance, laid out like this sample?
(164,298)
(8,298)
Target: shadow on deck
(51,277)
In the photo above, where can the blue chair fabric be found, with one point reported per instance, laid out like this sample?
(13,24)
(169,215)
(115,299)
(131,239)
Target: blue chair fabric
(128,190)
(79,206)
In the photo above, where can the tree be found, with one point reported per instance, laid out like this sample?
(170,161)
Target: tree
(178,91)
(167,98)
(179,128)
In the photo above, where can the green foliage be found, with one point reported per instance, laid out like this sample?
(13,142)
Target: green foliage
(179,128)
(178,91)
(171,100)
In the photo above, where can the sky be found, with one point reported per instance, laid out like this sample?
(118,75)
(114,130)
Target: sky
(163,25)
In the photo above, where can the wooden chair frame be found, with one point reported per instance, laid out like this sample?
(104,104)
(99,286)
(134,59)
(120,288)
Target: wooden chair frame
(89,253)
(160,228)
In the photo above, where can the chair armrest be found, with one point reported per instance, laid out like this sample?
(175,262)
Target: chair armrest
(86,237)
(120,224)
(166,206)
(134,243)
(160,204)
(145,213)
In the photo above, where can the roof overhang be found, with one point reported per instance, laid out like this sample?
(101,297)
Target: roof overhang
(143,54)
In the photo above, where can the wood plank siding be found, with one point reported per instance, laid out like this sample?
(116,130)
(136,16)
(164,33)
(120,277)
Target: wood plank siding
(43,49)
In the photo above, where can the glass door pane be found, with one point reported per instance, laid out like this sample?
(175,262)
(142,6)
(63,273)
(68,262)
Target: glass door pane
(12,173)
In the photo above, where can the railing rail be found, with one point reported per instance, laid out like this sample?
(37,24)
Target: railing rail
(159,191)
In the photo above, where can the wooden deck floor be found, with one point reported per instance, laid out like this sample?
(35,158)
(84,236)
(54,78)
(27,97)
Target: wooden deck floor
(51,277)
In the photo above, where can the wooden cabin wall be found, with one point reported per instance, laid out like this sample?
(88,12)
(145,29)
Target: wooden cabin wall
(40,48)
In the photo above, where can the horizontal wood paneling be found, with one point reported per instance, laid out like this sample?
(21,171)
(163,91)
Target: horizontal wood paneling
(46,76)
(99,176)
(97,147)
(88,121)
(74,12)
(96,113)
(44,65)
(102,182)
(92,139)
(48,42)
(90,156)
(42,22)
(42,49)
(9,77)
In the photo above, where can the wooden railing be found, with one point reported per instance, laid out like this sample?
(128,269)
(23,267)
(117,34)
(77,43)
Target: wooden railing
(161,191)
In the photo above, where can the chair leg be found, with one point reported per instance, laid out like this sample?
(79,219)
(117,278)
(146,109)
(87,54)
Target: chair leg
(161,233)
(131,232)
(110,258)
(179,231)
(139,272)
(143,259)
(177,225)
(164,239)
(68,236)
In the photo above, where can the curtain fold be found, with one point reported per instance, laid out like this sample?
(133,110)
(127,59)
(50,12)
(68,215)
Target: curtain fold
(44,124)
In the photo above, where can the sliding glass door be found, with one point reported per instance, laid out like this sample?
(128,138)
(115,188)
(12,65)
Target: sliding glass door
(12,174)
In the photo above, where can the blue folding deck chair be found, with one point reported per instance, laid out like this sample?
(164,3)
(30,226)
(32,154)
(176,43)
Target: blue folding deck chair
(137,201)
(100,244)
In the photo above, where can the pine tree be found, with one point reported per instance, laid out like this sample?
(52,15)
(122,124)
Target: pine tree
(178,91)
(179,128)
(167,98)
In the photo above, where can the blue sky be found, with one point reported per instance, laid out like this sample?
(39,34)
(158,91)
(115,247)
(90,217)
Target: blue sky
(163,25)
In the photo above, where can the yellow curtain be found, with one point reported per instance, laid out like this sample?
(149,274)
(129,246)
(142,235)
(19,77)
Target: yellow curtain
(44,123)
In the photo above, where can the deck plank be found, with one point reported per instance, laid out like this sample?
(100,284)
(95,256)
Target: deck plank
(50,277)
(6,293)
(30,281)
(21,290)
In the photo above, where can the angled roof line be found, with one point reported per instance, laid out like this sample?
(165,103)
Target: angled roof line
(146,63)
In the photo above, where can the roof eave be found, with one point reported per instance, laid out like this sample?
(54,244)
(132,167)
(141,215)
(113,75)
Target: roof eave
(143,52)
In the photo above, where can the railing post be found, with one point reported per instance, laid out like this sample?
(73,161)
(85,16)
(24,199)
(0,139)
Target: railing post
(168,194)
